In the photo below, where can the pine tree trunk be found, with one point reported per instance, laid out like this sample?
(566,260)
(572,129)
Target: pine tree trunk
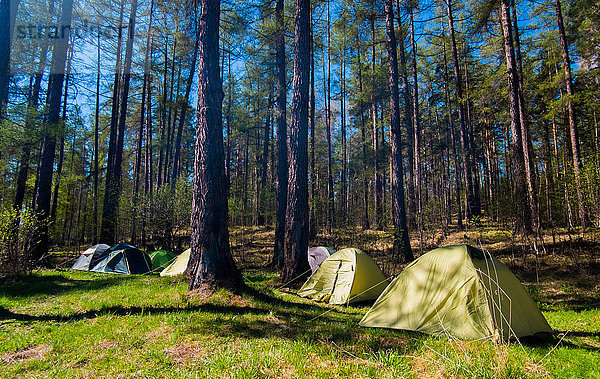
(564,44)
(211,263)
(282,164)
(528,156)
(61,149)
(51,119)
(182,118)
(5,47)
(417,135)
(96,145)
(295,266)
(365,185)
(109,211)
(377,190)
(408,123)
(402,247)
(453,139)
(470,208)
(330,204)
(520,185)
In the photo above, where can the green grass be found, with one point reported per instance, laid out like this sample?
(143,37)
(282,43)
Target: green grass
(76,324)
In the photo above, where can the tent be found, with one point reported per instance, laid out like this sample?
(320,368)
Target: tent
(316,255)
(345,277)
(458,290)
(178,266)
(91,257)
(161,259)
(124,259)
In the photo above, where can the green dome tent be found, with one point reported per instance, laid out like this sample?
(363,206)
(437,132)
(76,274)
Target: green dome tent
(178,266)
(345,277)
(160,259)
(458,290)
(91,257)
(124,259)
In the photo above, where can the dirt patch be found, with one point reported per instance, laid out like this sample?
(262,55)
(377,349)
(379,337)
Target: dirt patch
(186,353)
(158,334)
(106,344)
(36,352)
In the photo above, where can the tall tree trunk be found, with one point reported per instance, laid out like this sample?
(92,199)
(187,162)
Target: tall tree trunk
(32,109)
(330,204)
(564,44)
(365,185)
(314,177)
(452,138)
(264,164)
(528,157)
(96,144)
(211,263)
(46,165)
(61,150)
(5,47)
(471,209)
(417,133)
(408,123)
(378,190)
(520,185)
(281,184)
(402,247)
(182,118)
(344,175)
(296,218)
(109,211)
(140,137)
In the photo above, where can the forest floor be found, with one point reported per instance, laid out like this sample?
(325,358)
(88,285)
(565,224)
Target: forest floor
(61,323)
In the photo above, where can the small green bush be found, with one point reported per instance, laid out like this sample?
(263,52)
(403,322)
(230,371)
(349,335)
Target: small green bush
(18,231)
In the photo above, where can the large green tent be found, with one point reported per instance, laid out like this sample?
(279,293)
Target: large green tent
(178,266)
(124,259)
(459,290)
(345,277)
(161,259)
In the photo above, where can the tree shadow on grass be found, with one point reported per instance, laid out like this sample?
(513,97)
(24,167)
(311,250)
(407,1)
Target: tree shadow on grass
(51,285)
(263,317)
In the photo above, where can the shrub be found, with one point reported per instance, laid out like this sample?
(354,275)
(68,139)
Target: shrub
(18,232)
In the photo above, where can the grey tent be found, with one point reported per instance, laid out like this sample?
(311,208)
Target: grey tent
(91,257)
(316,255)
(124,259)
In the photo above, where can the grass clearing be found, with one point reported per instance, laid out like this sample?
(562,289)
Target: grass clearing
(59,323)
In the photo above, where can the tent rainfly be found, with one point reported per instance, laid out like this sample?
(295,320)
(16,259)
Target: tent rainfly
(161,259)
(178,266)
(316,256)
(345,277)
(91,257)
(459,290)
(124,259)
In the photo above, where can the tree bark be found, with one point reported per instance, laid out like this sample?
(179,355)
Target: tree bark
(564,44)
(296,219)
(109,210)
(377,190)
(365,185)
(211,263)
(471,209)
(417,134)
(330,204)
(281,184)
(453,139)
(520,187)
(51,119)
(402,247)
